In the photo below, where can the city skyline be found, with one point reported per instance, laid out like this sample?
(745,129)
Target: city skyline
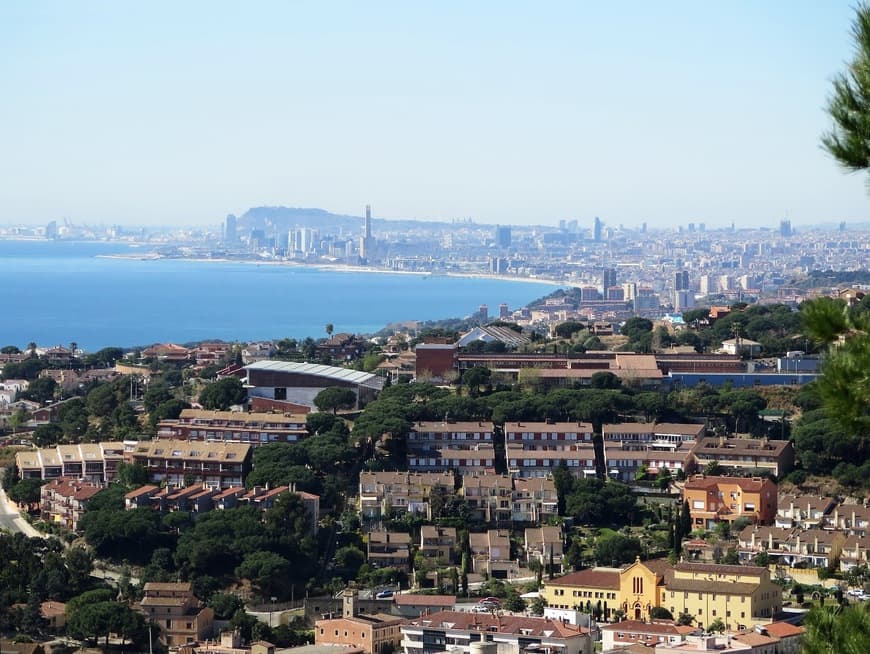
(506,114)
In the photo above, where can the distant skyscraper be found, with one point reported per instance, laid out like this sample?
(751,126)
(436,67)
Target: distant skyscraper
(367,241)
(230,235)
(483,310)
(502,236)
(702,227)
(596,230)
(643,228)
(608,279)
(504,311)
(785,228)
(691,228)
(681,280)
(842,226)
(51,230)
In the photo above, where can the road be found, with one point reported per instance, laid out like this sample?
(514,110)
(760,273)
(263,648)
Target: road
(11,520)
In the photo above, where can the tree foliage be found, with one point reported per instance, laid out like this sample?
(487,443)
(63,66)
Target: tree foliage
(849,104)
(335,398)
(223,394)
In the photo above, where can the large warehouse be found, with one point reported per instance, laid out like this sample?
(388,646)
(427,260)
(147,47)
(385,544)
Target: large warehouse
(297,384)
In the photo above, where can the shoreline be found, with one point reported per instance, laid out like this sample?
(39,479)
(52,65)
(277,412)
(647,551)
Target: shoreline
(342,268)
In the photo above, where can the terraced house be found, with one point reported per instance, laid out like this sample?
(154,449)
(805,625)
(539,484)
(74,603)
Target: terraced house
(256,428)
(181,463)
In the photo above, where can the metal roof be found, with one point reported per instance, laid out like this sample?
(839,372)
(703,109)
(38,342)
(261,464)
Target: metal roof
(330,372)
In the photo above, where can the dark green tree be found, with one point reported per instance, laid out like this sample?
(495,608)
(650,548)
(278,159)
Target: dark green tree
(335,398)
(223,394)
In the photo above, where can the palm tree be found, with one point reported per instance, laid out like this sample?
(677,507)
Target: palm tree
(329,328)
(31,346)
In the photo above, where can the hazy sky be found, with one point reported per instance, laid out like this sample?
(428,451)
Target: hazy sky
(513,112)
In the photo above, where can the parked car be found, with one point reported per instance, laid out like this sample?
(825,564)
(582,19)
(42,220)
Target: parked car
(384,594)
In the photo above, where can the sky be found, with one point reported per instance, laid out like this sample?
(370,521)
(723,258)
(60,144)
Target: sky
(177,113)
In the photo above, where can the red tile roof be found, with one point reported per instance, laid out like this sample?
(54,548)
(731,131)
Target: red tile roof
(589,578)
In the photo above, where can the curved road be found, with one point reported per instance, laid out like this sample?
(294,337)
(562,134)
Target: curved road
(11,520)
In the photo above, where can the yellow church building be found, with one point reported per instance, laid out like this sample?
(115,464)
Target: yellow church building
(740,595)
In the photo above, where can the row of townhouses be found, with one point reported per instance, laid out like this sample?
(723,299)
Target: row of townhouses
(534,449)
(174,462)
(490,497)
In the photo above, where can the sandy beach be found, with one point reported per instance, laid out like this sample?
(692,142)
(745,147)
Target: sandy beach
(338,267)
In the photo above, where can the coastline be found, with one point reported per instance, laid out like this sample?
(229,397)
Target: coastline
(342,268)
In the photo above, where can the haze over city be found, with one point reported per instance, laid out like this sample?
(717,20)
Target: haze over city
(665,113)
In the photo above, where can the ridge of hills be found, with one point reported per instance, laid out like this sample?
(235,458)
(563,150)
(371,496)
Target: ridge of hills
(285,218)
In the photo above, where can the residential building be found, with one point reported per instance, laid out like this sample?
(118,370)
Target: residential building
(201,498)
(373,633)
(544,544)
(176,462)
(456,631)
(776,542)
(625,461)
(851,518)
(94,462)
(805,511)
(789,636)
(341,347)
(490,497)
(63,501)
(741,346)
(478,460)
(167,352)
(394,493)
(854,552)
(389,549)
(234,426)
(648,634)
(491,554)
(528,463)
(714,499)
(181,616)
(745,454)
(449,434)
(535,448)
(438,544)
(534,500)
(652,435)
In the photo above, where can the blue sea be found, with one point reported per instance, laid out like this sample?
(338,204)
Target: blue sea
(56,292)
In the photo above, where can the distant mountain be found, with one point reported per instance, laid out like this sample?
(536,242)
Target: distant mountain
(286,218)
